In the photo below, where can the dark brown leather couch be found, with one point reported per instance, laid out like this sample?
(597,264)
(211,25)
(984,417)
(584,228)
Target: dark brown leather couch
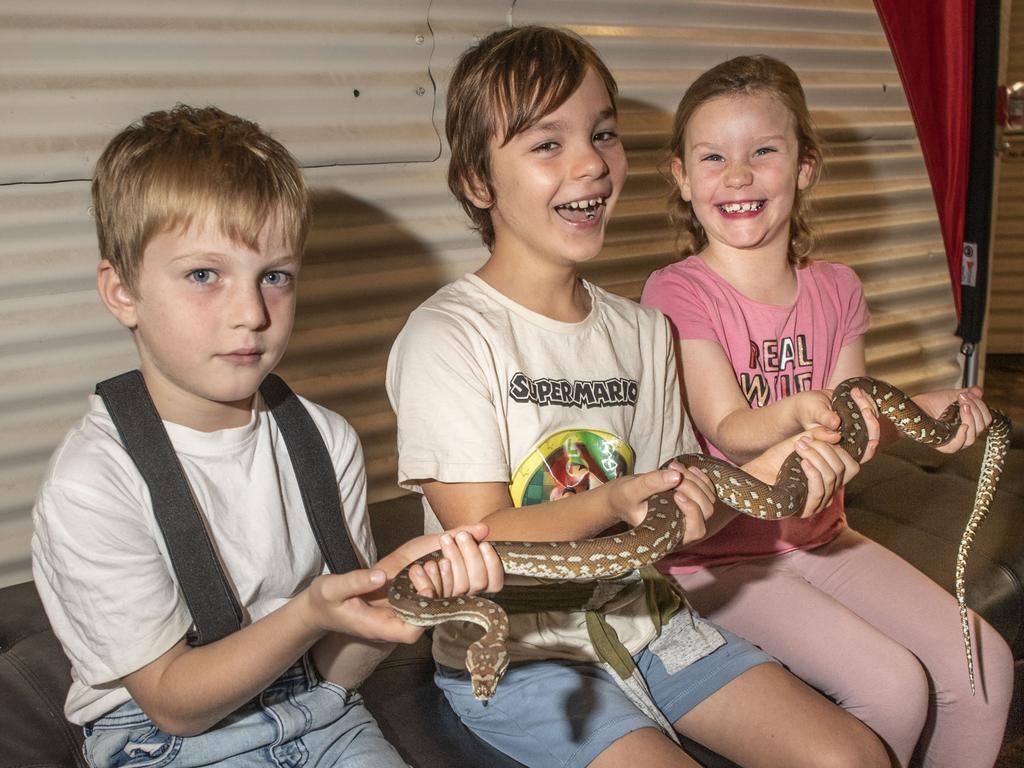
(912,499)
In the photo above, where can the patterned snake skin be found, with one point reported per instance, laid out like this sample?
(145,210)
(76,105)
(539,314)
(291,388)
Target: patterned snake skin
(662,529)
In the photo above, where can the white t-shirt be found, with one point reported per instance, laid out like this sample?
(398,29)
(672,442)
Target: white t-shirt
(489,391)
(101,565)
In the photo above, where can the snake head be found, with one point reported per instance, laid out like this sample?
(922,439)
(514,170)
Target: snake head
(486,663)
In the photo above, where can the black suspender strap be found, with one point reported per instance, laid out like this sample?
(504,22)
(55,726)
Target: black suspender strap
(214,607)
(315,473)
(211,601)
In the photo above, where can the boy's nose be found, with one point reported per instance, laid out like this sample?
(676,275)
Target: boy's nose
(248,308)
(590,163)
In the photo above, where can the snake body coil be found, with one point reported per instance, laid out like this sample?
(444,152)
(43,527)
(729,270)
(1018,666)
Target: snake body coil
(662,528)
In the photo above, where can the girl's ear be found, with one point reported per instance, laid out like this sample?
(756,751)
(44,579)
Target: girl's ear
(806,172)
(682,180)
(115,295)
(478,193)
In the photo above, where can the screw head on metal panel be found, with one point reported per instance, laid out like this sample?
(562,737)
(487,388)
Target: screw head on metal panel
(419,39)
(420,90)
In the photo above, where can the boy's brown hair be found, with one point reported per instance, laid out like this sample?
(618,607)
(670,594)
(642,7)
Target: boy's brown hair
(501,87)
(739,76)
(170,167)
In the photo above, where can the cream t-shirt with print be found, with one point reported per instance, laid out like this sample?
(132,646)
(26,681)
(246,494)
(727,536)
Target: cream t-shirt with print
(489,391)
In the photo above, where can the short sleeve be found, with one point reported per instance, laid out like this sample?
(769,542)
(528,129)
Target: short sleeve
(682,301)
(444,400)
(677,437)
(851,295)
(101,576)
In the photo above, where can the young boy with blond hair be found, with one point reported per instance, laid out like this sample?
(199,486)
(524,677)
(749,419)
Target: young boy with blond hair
(202,219)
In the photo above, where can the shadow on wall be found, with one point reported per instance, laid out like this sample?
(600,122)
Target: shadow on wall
(639,238)
(363,273)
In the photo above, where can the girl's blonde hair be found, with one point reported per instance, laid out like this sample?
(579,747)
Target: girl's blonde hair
(172,166)
(746,75)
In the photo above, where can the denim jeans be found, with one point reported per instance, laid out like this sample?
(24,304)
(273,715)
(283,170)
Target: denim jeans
(299,721)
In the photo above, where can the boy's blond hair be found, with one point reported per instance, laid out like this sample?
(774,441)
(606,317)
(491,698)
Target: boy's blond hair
(501,87)
(738,76)
(171,167)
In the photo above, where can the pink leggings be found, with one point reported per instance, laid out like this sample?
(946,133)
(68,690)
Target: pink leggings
(878,637)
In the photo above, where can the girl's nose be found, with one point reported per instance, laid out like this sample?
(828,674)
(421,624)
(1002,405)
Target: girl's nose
(738,174)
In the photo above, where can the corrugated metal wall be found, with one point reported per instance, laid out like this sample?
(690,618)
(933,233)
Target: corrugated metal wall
(1006,299)
(386,233)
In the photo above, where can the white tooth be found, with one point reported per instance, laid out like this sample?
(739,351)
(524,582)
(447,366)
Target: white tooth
(745,207)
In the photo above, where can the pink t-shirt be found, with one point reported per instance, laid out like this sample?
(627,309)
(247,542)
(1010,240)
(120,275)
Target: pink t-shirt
(775,351)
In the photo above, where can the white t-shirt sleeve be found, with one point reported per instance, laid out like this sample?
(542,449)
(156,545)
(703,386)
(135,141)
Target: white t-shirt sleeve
(445,401)
(100,573)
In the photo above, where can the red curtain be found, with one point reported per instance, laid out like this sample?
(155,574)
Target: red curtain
(932,42)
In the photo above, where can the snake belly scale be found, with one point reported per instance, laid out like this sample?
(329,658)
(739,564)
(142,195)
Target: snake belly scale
(663,526)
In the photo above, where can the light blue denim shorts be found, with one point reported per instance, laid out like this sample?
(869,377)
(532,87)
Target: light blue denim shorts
(299,721)
(565,713)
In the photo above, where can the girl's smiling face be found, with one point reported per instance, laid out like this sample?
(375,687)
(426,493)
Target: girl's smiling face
(740,170)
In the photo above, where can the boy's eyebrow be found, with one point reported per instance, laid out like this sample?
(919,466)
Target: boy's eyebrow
(558,125)
(289,258)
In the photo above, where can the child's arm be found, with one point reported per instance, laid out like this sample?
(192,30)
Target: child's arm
(721,412)
(189,689)
(974,413)
(575,516)
(975,416)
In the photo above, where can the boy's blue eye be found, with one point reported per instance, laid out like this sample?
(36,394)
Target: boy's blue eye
(764,151)
(713,157)
(605,136)
(547,146)
(201,276)
(276,278)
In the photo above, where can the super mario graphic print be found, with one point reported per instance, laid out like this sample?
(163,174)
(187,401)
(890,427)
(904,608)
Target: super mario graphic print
(569,462)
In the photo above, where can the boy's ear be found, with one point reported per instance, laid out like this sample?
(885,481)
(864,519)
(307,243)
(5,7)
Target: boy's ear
(115,295)
(477,192)
(682,180)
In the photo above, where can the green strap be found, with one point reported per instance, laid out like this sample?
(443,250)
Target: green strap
(663,602)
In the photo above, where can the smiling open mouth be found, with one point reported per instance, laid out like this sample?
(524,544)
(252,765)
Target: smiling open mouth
(580,210)
(748,206)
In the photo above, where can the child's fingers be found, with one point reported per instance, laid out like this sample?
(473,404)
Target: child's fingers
(335,588)
(822,473)
(869,420)
(632,493)
(447,588)
(697,488)
(426,578)
(694,516)
(824,434)
(457,578)
(495,570)
(472,562)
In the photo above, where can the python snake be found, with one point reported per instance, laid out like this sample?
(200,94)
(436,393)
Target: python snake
(662,528)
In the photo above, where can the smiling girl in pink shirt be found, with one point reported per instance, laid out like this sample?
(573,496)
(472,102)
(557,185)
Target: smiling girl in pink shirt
(764,334)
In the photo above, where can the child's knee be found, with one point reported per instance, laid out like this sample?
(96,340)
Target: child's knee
(894,697)
(862,749)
